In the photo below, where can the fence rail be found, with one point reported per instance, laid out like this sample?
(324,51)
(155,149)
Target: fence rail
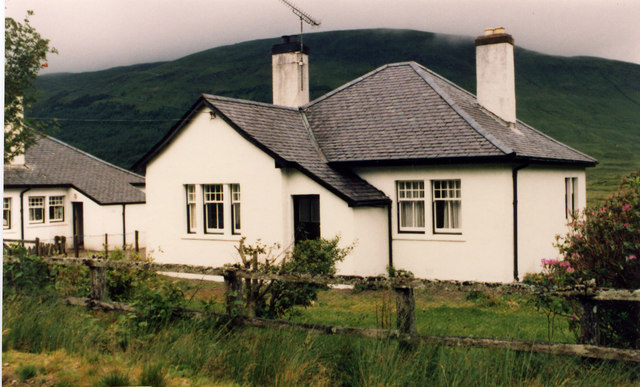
(403,287)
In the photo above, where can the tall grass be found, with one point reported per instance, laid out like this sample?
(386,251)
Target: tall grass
(200,351)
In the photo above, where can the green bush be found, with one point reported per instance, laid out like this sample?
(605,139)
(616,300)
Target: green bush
(27,273)
(122,284)
(603,245)
(273,299)
(26,372)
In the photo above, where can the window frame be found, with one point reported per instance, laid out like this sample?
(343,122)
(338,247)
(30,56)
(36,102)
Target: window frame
(570,196)
(236,208)
(457,191)
(53,207)
(191,208)
(33,208)
(6,213)
(400,203)
(208,202)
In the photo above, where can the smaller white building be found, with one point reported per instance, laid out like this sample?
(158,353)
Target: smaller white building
(58,190)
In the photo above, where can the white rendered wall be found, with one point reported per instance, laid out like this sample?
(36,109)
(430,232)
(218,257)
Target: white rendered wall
(363,228)
(541,208)
(209,151)
(290,73)
(495,75)
(484,249)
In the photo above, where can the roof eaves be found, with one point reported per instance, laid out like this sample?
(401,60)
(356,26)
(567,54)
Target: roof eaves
(461,112)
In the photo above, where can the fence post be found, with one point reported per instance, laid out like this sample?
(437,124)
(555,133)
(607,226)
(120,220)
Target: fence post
(589,323)
(233,295)
(405,315)
(75,246)
(63,242)
(38,252)
(137,246)
(106,245)
(98,282)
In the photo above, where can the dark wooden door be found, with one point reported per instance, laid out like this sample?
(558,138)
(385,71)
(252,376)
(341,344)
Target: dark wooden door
(306,217)
(78,222)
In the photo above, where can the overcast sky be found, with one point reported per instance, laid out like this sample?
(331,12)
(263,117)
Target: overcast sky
(98,34)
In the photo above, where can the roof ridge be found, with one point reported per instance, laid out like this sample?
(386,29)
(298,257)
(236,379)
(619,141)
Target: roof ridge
(312,136)
(248,102)
(353,82)
(91,156)
(458,109)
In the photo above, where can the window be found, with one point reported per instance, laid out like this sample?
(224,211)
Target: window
(570,196)
(36,209)
(56,208)
(446,206)
(235,209)
(6,213)
(192,223)
(411,206)
(213,208)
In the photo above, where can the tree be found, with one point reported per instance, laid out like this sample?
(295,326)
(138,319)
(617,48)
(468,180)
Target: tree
(25,54)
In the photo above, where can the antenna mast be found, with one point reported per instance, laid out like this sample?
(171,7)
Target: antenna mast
(304,17)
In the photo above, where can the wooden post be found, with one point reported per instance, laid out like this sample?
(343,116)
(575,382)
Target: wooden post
(137,246)
(233,296)
(106,245)
(56,242)
(75,246)
(405,315)
(589,323)
(63,242)
(98,283)
(38,252)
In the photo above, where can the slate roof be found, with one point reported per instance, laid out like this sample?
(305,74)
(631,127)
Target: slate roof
(52,163)
(400,113)
(404,111)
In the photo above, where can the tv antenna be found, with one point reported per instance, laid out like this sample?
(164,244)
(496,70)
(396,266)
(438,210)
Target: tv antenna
(304,18)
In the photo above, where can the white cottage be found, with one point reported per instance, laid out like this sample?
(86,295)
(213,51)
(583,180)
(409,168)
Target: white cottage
(55,189)
(419,173)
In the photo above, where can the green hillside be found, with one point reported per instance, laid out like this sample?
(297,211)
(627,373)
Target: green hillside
(118,114)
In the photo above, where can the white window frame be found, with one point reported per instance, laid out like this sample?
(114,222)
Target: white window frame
(570,196)
(448,194)
(6,213)
(236,213)
(56,208)
(36,205)
(411,196)
(192,204)
(213,195)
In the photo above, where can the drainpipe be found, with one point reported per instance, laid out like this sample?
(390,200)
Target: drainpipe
(390,235)
(124,228)
(22,213)
(514,175)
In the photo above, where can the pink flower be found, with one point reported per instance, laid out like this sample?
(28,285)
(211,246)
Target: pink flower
(570,270)
(626,207)
(631,258)
(564,264)
(626,224)
(550,277)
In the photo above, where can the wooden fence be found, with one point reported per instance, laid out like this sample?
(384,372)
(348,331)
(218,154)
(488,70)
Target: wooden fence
(39,248)
(403,287)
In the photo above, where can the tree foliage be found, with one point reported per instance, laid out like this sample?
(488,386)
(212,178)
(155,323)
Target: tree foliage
(25,54)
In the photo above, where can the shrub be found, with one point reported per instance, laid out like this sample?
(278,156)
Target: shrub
(122,284)
(27,273)
(114,378)
(26,372)
(603,245)
(153,375)
(158,305)
(272,299)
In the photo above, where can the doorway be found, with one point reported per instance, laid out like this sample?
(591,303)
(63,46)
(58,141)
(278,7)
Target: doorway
(78,223)
(306,217)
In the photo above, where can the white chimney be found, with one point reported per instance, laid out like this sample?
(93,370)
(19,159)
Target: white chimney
(495,74)
(290,66)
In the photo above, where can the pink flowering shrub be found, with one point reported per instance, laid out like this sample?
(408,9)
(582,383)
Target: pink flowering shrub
(604,241)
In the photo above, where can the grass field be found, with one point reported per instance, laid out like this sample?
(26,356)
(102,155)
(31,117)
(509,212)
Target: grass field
(53,344)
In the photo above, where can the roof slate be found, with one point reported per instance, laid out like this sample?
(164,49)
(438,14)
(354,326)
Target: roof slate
(398,113)
(51,162)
